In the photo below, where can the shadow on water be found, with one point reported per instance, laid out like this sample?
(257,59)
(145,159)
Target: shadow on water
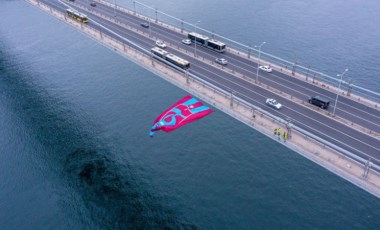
(113,194)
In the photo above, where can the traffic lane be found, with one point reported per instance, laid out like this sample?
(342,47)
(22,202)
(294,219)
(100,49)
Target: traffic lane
(352,148)
(344,110)
(127,19)
(371,124)
(135,22)
(229,84)
(346,104)
(55,5)
(348,138)
(361,111)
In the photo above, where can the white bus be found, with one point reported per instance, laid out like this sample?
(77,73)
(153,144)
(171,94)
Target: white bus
(206,41)
(182,63)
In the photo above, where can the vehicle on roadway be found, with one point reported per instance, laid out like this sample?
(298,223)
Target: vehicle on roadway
(161,44)
(221,61)
(76,15)
(164,55)
(265,68)
(186,41)
(93,4)
(319,101)
(207,42)
(145,24)
(273,103)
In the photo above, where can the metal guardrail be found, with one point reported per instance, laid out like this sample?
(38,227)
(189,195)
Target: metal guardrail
(225,93)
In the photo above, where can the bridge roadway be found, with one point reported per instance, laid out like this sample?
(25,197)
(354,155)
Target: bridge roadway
(308,119)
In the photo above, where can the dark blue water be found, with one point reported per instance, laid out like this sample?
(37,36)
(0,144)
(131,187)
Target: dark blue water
(74,120)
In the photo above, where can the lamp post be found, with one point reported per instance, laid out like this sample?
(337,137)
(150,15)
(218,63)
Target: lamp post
(149,24)
(258,62)
(114,9)
(195,40)
(155,10)
(337,94)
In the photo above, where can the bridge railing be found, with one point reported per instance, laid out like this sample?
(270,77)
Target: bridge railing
(144,58)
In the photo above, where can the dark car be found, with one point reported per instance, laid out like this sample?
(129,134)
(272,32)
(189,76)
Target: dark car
(145,24)
(319,101)
(93,3)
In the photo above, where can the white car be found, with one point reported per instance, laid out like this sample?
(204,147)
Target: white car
(161,44)
(265,68)
(221,61)
(273,103)
(186,41)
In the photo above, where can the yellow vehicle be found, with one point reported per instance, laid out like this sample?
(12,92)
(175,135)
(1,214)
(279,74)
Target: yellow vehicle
(76,15)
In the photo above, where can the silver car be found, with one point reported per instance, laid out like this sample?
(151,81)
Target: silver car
(161,44)
(186,41)
(221,61)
